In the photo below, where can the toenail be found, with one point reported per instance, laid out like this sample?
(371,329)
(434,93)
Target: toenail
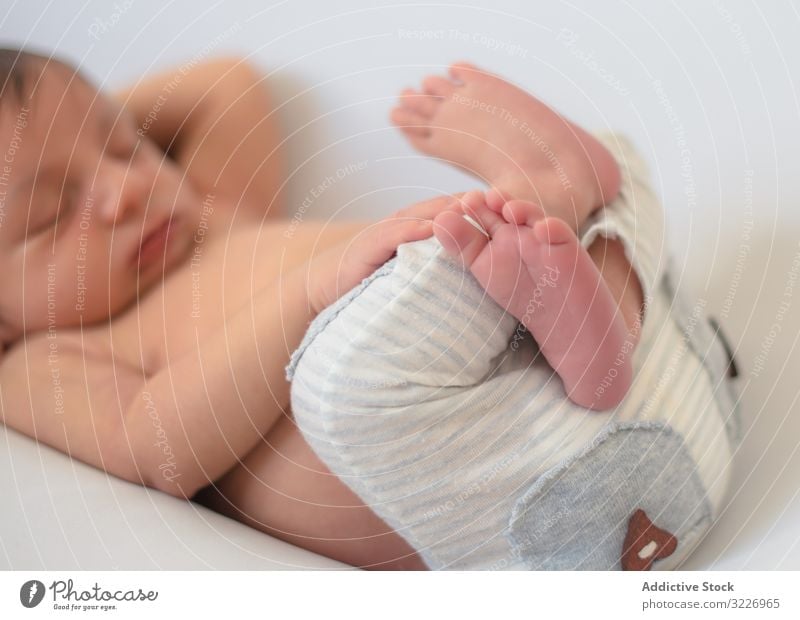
(475,224)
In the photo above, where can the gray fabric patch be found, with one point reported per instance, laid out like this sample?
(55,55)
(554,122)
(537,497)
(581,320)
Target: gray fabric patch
(575,516)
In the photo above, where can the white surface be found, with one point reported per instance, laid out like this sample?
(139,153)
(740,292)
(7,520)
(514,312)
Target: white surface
(719,77)
(60,514)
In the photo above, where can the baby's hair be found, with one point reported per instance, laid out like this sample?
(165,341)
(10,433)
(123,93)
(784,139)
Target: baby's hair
(20,70)
(15,69)
(15,73)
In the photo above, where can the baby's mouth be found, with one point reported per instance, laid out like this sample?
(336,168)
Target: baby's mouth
(154,243)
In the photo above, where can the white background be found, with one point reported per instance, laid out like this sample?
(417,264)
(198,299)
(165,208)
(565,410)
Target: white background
(728,75)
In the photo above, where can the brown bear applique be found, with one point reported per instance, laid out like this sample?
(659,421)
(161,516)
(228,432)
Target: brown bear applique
(645,543)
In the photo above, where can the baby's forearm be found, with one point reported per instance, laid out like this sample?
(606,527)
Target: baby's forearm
(216,402)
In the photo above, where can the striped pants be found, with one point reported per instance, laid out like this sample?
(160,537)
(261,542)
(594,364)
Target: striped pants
(433,405)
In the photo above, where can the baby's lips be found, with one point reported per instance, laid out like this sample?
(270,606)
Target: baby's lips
(165,229)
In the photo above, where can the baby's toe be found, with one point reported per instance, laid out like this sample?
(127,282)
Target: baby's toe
(411,122)
(550,240)
(463,69)
(461,238)
(438,86)
(554,231)
(522,212)
(476,205)
(496,199)
(419,103)
(466,72)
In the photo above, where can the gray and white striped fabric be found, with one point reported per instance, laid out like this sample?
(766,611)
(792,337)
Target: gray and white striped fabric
(417,391)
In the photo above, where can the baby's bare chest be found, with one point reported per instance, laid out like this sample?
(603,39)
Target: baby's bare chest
(219,276)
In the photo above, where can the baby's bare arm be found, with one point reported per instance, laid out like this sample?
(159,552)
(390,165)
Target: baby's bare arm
(217,401)
(216,120)
(178,429)
(70,398)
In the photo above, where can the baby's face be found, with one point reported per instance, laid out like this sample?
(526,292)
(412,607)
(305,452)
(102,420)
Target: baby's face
(79,192)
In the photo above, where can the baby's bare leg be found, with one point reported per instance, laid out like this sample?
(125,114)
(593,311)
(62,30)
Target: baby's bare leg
(621,279)
(283,489)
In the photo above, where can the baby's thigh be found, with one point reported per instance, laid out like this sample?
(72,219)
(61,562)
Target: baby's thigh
(283,489)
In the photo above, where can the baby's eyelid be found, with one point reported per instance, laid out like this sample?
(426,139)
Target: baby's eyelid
(65,205)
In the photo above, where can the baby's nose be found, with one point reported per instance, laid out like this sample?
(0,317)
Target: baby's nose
(124,191)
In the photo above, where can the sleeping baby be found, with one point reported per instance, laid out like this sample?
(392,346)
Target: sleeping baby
(499,379)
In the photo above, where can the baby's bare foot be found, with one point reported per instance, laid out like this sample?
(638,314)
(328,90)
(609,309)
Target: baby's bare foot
(510,140)
(535,267)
